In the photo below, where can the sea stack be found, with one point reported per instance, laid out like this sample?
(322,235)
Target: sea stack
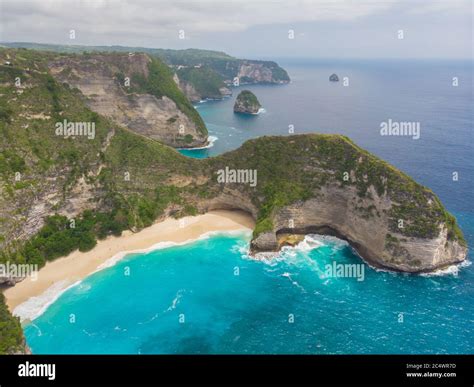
(247,103)
(334,78)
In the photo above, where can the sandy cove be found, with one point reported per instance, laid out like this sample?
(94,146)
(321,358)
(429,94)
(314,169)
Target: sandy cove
(63,272)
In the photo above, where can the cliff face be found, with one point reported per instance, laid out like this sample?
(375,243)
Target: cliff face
(209,75)
(131,102)
(201,83)
(261,72)
(189,90)
(40,172)
(335,212)
(326,184)
(212,66)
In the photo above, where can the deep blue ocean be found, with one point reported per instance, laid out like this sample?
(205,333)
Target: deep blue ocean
(188,299)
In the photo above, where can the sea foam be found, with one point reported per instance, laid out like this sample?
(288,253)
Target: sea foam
(211,140)
(450,270)
(35,306)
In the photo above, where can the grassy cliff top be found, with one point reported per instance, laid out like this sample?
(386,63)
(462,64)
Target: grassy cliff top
(248,96)
(190,55)
(150,74)
(293,168)
(225,65)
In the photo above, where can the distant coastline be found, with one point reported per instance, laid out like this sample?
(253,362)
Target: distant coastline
(62,273)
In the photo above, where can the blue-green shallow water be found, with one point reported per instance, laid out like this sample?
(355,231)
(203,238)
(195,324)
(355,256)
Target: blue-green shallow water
(249,313)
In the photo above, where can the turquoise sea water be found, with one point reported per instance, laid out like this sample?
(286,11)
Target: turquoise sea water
(251,312)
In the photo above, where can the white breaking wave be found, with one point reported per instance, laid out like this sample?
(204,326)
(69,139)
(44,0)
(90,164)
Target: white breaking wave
(288,275)
(307,244)
(310,242)
(299,255)
(269,258)
(450,270)
(242,248)
(122,254)
(210,99)
(37,328)
(211,140)
(174,304)
(35,306)
(150,320)
(175,301)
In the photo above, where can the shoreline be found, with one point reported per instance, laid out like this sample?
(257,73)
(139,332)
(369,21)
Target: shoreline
(210,143)
(58,275)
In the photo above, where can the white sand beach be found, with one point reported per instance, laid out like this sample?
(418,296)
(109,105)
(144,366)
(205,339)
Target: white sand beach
(63,272)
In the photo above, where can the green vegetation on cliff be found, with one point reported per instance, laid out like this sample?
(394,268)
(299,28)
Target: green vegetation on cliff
(11,335)
(33,159)
(223,64)
(247,102)
(160,83)
(294,168)
(205,81)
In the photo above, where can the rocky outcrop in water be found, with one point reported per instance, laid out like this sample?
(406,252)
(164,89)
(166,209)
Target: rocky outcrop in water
(247,103)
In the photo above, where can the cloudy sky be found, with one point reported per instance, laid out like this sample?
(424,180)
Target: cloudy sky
(252,28)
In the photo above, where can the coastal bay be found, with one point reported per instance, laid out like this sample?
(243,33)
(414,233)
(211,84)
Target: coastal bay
(60,274)
(174,282)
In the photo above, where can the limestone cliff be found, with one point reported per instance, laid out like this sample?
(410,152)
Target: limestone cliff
(121,87)
(192,67)
(335,212)
(253,71)
(204,82)
(326,184)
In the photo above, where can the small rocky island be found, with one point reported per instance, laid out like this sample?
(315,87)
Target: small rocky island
(334,78)
(247,103)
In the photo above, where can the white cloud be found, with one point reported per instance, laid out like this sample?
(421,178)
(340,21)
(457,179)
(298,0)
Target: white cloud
(242,25)
(160,17)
